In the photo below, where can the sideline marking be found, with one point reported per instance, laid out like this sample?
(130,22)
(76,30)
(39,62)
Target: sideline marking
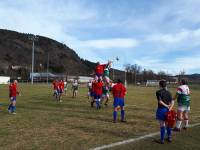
(134,139)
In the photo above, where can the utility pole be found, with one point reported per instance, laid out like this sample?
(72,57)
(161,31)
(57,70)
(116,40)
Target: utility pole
(125,81)
(48,68)
(33,38)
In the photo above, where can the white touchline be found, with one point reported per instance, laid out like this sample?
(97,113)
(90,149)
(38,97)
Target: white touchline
(133,139)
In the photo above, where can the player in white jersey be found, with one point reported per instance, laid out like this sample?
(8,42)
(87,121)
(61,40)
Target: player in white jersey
(74,88)
(89,85)
(183,98)
(65,86)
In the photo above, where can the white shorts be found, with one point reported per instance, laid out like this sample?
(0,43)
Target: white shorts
(184,108)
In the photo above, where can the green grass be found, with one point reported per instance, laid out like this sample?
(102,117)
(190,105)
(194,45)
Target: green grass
(42,123)
(186,140)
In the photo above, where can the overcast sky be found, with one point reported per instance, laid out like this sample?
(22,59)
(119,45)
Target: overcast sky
(162,35)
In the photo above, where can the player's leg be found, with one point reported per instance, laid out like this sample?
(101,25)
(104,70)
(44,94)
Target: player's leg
(60,95)
(66,91)
(169,133)
(186,118)
(179,118)
(107,99)
(92,99)
(14,107)
(76,92)
(10,106)
(115,105)
(73,93)
(122,110)
(161,117)
(162,131)
(88,95)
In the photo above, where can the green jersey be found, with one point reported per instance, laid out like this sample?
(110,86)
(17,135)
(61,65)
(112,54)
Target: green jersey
(183,93)
(106,72)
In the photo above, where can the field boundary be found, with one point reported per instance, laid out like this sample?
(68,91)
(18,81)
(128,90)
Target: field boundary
(133,139)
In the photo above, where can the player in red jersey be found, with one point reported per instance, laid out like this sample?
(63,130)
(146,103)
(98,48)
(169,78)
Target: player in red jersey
(55,85)
(92,93)
(61,87)
(13,92)
(99,69)
(98,92)
(119,92)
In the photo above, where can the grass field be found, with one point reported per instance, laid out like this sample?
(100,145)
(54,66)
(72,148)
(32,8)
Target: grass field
(42,123)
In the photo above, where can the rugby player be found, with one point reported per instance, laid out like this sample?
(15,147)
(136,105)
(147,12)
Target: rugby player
(165,104)
(13,92)
(119,92)
(74,88)
(98,92)
(183,98)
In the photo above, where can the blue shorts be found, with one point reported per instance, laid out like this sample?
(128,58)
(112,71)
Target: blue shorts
(60,91)
(92,94)
(13,99)
(97,96)
(98,75)
(118,102)
(161,114)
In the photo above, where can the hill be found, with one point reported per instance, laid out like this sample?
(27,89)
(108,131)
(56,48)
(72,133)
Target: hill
(16,50)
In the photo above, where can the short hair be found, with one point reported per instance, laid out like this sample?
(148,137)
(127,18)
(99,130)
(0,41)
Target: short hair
(162,83)
(184,82)
(119,81)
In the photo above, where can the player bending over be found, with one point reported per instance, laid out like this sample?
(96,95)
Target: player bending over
(183,98)
(165,104)
(119,92)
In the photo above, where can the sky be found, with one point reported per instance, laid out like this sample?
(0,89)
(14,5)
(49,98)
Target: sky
(161,35)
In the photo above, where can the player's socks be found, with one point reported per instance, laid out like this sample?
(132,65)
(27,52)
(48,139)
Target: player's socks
(9,107)
(122,115)
(97,103)
(178,124)
(186,122)
(114,115)
(162,133)
(92,103)
(169,132)
(13,108)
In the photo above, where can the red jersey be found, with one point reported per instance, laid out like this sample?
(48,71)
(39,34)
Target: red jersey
(55,85)
(100,69)
(61,85)
(98,88)
(13,90)
(119,90)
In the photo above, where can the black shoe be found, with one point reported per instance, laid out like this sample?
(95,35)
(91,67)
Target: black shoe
(124,121)
(169,139)
(159,141)
(184,128)
(114,121)
(177,129)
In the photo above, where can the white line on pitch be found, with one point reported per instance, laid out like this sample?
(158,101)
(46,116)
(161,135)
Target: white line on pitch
(133,139)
